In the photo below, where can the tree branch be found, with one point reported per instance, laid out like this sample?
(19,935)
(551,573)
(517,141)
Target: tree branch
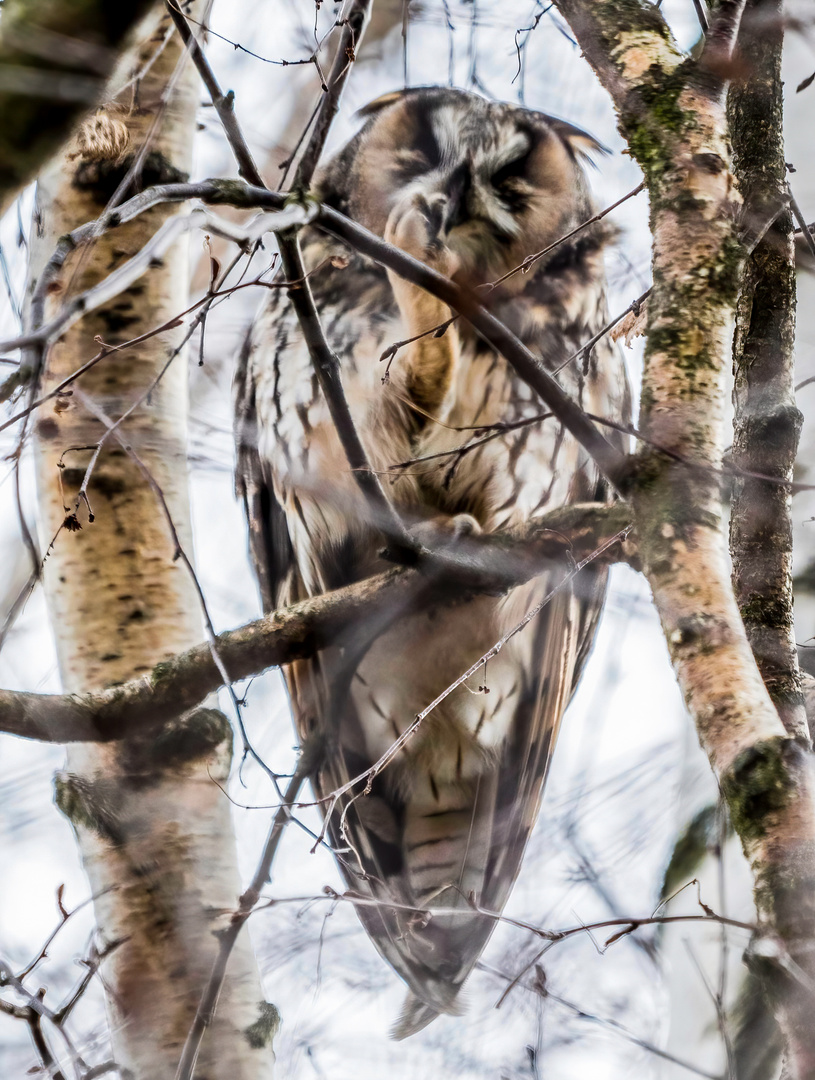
(353,28)
(224,104)
(766,423)
(383,514)
(485,564)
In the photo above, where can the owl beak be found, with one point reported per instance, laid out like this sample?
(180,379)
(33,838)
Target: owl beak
(458,190)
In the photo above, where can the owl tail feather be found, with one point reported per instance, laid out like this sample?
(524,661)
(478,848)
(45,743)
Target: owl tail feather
(417,1014)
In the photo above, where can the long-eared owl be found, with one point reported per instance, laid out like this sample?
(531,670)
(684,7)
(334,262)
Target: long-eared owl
(471,188)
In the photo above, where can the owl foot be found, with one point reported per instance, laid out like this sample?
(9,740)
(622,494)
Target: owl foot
(444,530)
(415,226)
(429,362)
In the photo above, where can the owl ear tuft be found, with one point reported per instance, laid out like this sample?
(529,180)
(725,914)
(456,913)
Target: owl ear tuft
(382,102)
(391,98)
(578,140)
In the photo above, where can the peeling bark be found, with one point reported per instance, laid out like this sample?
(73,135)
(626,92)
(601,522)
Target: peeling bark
(154,830)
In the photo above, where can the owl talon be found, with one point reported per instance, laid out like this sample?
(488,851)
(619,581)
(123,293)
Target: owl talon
(442,531)
(416,228)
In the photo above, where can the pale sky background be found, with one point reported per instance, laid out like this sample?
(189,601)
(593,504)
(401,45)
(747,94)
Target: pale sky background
(627,772)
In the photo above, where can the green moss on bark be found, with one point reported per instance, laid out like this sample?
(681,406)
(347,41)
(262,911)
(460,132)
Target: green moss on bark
(261,1033)
(758,786)
(85,807)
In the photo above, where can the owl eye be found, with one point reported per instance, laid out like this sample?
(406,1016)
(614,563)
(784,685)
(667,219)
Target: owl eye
(427,146)
(422,157)
(513,170)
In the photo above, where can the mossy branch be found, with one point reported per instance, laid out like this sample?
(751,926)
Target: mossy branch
(487,564)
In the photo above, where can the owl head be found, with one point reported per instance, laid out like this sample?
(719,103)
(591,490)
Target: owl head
(510,180)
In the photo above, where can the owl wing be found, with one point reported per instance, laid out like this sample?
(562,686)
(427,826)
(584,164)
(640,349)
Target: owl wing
(485,831)
(269,540)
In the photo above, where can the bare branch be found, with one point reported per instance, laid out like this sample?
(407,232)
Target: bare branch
(353,28)
(327,369)
(224,103)
(479,564)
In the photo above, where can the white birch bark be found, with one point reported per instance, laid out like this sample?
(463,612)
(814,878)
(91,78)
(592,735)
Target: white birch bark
(154,829)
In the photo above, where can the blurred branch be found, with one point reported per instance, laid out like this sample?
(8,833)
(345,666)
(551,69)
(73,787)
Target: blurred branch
(477,564)
(54,59)
(539,986)
(721,35)
(324,361)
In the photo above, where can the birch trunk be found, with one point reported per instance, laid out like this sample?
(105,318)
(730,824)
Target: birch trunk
(672,112)
(154,830)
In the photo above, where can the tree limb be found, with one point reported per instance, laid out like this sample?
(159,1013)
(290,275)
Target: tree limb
(767,423)
(489,564)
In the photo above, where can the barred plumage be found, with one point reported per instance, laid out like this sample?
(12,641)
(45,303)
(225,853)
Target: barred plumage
(472,188)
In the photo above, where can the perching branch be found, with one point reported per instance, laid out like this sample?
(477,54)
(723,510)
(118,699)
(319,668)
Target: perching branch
(490,564)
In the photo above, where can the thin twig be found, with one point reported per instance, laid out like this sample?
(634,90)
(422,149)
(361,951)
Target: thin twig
(806,232)
(540,988)
(353,28)
(634,306)
(327,369)
(224,103)
(205,1012)
(527,264)
(370,774)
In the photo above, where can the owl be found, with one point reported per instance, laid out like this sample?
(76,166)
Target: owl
(471,188)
